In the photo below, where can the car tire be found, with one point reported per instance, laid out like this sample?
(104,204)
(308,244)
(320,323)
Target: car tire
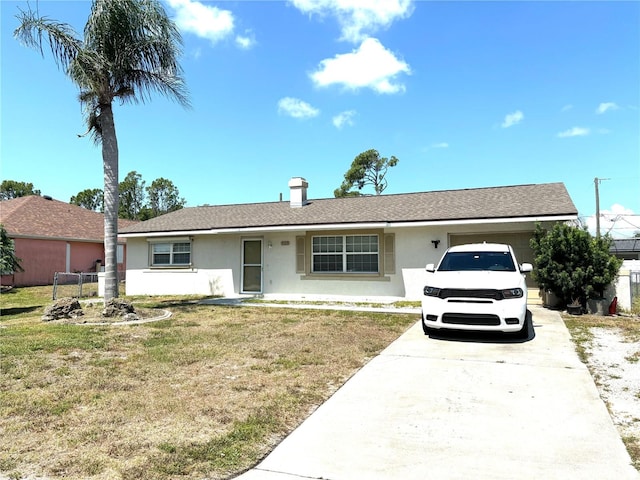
(524,331)
(425,329)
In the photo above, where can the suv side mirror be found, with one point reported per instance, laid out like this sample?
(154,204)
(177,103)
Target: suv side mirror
(430,267)
(526,267)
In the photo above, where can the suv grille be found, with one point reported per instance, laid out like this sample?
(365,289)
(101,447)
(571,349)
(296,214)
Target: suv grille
(477,293)
(470,319)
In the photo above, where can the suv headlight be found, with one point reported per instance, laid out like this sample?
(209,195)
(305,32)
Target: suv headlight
(431,291)
(512,293)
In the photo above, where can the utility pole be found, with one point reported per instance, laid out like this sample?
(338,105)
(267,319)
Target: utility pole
(597,181)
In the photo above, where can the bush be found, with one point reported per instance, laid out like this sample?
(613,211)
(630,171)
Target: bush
(572,264)
(9,263)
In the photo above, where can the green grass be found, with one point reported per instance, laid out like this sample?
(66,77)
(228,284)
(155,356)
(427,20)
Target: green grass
(224,453)
(205,393)
(24,301)
(26,339)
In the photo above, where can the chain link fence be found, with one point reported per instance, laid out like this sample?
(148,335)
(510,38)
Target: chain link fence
(76,285)
(81,285)
(634,278)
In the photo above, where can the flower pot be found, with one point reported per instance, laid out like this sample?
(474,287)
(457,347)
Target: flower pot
(574,309)
(551,300)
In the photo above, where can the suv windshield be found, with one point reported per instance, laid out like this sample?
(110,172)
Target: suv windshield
(464,261)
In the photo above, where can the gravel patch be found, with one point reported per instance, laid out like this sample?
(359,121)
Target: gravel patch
(615,366)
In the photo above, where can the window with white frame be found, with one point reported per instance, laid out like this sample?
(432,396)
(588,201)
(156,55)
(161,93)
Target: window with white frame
(170,254)
(344,254)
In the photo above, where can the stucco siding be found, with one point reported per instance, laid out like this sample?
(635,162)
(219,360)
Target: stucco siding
(84,256)
(216,268)
(217,264)
(40,260)
(211,272)
(414,249)
(280,263)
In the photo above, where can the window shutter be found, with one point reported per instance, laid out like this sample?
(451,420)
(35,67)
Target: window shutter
(389,253)
(300,251)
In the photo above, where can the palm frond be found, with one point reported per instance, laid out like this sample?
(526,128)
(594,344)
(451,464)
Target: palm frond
(141,84)
(140,45)
(129,51)
(63,40)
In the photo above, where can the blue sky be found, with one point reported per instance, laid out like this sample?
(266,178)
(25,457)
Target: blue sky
(465,94)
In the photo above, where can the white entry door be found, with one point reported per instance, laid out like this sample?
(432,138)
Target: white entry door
(251,266)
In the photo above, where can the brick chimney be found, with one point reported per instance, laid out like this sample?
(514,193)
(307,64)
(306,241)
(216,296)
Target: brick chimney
(298,192)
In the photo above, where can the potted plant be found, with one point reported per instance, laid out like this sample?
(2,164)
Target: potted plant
(550,299)
(575,307)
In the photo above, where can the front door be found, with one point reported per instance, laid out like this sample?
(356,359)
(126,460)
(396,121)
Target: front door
(252,266)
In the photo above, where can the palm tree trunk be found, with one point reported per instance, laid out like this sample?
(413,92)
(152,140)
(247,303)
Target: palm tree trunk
(110,165)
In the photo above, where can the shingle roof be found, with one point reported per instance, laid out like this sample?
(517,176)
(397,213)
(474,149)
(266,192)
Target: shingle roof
(543,200)
(625,245)
(42,217)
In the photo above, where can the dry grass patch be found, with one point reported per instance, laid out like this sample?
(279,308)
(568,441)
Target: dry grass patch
(206,393)
(610,347)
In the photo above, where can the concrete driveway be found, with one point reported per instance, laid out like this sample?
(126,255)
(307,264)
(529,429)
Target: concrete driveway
(460,407)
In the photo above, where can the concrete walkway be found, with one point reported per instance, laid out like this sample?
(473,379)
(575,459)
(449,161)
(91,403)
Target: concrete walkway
(460,407)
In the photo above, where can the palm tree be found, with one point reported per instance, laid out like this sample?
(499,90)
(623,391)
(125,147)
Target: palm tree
(130,49)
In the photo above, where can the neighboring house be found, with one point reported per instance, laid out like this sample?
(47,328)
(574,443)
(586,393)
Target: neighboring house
(367,246)
(627,284)
(52,236)
(626,249)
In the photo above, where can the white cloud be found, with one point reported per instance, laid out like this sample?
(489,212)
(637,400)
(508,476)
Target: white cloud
(566,108)
(246,41)
(296,108)
(370,66)
(211,23)
(358,18)
(617,209)
(618,221)
(437,145)
(603,107)
(574,132)
(344,118)
(512,119)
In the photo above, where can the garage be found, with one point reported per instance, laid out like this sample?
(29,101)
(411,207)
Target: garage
(518,240)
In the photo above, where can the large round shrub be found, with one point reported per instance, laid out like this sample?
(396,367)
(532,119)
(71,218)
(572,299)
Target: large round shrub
(572,264)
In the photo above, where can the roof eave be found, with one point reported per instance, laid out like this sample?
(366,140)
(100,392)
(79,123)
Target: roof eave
(467,221)
(55,238)
(352,226)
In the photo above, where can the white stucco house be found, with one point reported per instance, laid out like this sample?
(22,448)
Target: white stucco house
(367,246)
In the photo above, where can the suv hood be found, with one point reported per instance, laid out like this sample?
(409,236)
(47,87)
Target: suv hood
(498,280)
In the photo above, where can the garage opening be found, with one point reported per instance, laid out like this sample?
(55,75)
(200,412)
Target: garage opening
(518,240)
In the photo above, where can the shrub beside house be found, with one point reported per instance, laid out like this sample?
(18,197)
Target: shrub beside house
(573,265)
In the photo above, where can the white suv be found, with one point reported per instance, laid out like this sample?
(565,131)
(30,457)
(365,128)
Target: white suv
(477,287)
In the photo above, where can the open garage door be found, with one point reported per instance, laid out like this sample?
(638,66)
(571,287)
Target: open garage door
(518,240)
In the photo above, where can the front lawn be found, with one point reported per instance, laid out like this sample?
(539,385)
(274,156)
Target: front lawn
(205,393)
